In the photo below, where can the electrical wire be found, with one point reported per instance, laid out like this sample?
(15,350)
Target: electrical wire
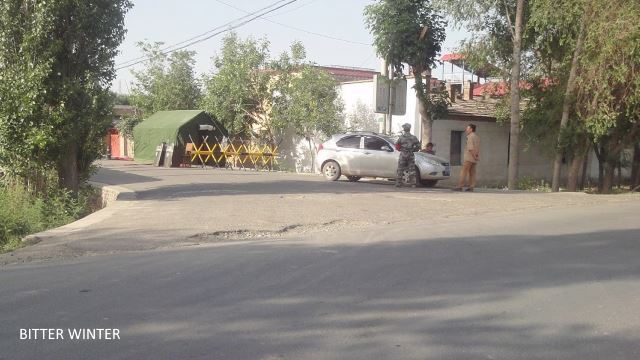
(298,29)
(210,34)
(292,10)
(203,34)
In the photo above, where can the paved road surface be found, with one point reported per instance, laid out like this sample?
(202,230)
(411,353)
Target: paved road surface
(547,280)
(175,206)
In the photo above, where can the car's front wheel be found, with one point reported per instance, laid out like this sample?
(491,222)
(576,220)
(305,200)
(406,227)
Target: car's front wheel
(331,170)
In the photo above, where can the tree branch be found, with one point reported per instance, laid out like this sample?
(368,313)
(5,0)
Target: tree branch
(506,11)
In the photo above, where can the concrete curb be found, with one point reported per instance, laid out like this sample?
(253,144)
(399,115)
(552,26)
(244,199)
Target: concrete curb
(110,194)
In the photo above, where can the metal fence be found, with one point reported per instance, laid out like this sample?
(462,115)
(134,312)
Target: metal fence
(235,153)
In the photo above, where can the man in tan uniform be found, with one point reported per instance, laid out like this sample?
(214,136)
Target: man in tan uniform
(471,158)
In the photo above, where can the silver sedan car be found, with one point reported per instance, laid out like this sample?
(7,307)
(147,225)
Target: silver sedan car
(364,154)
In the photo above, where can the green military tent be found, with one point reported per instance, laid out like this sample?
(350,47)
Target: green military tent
(172,127)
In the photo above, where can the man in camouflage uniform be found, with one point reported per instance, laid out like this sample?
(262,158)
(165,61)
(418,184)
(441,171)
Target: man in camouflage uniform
(407,144)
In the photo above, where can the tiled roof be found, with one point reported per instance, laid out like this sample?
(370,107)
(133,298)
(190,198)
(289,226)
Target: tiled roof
(476,107)
(345,74)
(452,57)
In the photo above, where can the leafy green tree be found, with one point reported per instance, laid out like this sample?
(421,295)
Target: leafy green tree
(125,125)
(409,32)
(121,99)
(487,54)
(362,118)
(583,71)
(237,93)
(608,88)
(167,82)
(56,65)
(502,23)
(559,28)
(254,95)
(310,104)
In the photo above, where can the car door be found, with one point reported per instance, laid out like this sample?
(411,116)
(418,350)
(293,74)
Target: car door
(349,154)
(380,158)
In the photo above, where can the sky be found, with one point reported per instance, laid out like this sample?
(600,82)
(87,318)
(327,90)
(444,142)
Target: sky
(341,22)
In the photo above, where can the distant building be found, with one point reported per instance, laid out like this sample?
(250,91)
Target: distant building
(448,133)
(119,147)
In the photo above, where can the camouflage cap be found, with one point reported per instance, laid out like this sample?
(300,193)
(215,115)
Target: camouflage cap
(406,126)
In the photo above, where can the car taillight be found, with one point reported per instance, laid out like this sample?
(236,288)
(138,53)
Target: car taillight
(320,147)
(398,147)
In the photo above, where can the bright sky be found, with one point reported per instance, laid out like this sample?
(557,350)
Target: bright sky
(173,21)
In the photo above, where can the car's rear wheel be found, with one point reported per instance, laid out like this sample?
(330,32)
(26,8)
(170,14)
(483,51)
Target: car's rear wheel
(354,178)
(428,183)
(331,170)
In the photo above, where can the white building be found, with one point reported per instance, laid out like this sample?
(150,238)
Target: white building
(448,133)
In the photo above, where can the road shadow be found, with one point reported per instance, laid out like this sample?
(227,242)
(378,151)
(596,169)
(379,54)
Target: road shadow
(118,177)
(305,185)
(504,297)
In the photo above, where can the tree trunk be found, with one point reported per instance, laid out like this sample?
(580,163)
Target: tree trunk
(619,168)
(635,169)
(515,99)
(600,154)
(608,176)
(313,155)
(574,172)
(68,172)
(422,95)
(585,164)
(425,116)
(578,163)
(566,106)
(427,124)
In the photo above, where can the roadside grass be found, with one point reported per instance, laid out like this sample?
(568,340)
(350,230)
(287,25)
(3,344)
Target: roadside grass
(532,184)
(24,212)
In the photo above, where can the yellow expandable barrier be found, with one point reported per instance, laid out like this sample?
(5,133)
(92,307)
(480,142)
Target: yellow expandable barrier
(235,154)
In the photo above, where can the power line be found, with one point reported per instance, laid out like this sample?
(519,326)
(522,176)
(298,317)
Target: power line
(366,60)
(203,34)
(211,33)
(294,9)
(298,29)
(197,36)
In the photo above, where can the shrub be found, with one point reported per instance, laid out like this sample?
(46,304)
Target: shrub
(20,214)
(24,211)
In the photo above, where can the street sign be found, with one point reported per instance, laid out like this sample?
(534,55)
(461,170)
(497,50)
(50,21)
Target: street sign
(390,94)
(399,100)
(381,94)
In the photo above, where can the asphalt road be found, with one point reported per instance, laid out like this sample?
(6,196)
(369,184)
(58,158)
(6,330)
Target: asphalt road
(534,281)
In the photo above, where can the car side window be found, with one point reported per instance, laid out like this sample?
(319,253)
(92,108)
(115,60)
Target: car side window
(374,143)
(352,142)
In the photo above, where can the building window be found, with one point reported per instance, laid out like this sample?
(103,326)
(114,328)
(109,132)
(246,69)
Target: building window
(455,154)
